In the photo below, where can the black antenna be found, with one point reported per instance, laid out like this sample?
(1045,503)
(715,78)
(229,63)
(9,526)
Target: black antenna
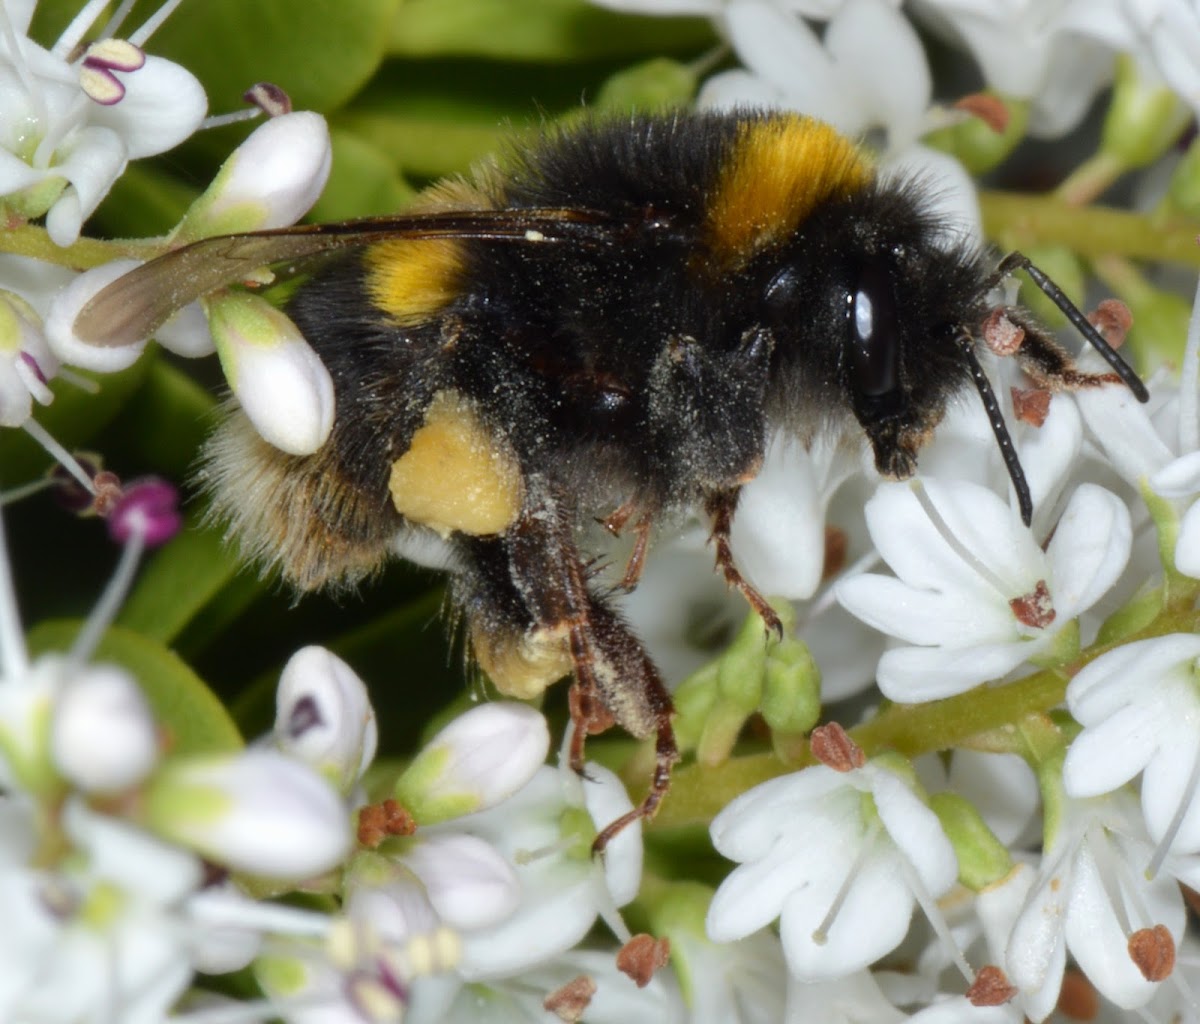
(996,418)
(1019,261)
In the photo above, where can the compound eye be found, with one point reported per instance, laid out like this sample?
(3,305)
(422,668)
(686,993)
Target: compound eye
(874,347)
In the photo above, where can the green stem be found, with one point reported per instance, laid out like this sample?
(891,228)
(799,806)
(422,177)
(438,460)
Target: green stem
(1019,219)
(32,241)
(699,791)
(1090,179)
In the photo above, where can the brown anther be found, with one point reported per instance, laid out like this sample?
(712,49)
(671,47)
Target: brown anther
(991,987)
(991,110)
(108,492)
(1035,609)
(833,747)
(269,98)
(1031,405)
(377,822)
(1077,999)
(569,1002)
(1153,950)
(641,956)
(1112,319)
(835,552)
(1000,334)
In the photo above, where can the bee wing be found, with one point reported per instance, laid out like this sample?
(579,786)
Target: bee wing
(135,305)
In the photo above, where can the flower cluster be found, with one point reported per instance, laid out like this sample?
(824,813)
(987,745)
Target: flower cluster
(960,786)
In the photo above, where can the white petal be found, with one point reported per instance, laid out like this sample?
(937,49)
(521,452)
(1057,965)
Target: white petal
(1098,941)
(259,812)
(278,379)
(784,51)
(549,922)
(186,333)
(981,521)
(870,923)
(271,180)
(915,830)
(164,103)
(748,826)
(1117,678)
(1124,430)
(605,798)
(482,757)
(890,79)
(911,675)
(1106,756)
(323,716)
(94,159)
(736,88)
(1089,549)
(60,322)
(924,617)
(469,884)
(1165,785)
(1178,479)
(1187,544)
(753,895)
(778,534)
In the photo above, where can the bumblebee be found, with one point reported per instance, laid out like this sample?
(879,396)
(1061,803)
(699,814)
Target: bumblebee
(606,327)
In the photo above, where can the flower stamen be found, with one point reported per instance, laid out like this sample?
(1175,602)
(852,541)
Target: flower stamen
(821,934)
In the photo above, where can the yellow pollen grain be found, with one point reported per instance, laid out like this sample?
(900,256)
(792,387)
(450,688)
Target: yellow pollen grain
(457,475)
(779,171)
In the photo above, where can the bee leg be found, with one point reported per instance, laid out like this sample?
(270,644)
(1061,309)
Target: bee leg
(721,506)
(1050,366)
(615,681)
(614,524)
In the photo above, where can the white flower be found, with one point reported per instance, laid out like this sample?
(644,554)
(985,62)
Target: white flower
(1090,897)
(99,939)
(323,716)
(741,982)
(563,888)
(1140,711)
(984,598)
(70,121)
(842,878)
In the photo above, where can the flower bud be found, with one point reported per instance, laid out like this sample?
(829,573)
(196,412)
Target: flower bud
(478,760)
(323,716)
(791,698)
(1144,118)
(103,735)
(280,382)
(271,180)
(982,858)
(259,812)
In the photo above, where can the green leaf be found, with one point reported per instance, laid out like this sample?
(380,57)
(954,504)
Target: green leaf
(178,581)
(320,52)
(163,423)
(144,202)
(364,181)
(196,721)
(538,30)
